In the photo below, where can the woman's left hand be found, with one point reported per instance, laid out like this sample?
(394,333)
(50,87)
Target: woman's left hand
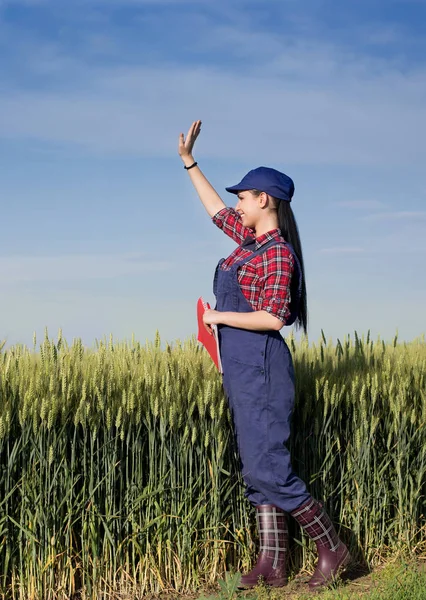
(211,317)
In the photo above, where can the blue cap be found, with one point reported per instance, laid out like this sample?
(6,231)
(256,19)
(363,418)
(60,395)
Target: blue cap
(267,180)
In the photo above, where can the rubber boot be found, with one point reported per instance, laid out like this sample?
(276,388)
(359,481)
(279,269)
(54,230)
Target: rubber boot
(273,536)
(333,556)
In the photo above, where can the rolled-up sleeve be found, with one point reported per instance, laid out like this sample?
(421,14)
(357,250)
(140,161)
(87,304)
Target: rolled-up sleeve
(278,268)
(229,221)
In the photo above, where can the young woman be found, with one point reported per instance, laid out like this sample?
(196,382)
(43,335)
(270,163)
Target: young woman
(259,288)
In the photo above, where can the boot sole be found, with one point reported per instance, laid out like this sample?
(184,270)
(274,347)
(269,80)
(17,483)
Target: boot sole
(274,583)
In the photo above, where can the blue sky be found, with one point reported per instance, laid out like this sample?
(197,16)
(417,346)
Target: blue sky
(101,230)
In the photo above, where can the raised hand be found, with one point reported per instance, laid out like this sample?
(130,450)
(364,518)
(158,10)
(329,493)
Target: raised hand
(186,144)
(209,197)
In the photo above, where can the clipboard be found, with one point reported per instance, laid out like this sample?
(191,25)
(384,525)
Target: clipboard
(209,340)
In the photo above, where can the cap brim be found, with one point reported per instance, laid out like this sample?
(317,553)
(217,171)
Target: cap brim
(234,189)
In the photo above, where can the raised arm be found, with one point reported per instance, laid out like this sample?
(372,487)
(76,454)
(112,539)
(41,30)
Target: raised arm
(211,200)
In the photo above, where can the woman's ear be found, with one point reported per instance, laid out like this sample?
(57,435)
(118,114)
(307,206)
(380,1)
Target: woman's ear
(263,199)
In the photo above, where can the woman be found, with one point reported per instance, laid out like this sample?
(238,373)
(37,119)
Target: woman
(260,288)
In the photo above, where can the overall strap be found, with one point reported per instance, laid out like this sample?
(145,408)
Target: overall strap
(257,252)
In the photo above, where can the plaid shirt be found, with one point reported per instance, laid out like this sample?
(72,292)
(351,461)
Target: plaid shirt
(265,280)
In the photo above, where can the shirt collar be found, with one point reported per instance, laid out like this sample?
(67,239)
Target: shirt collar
(273,234)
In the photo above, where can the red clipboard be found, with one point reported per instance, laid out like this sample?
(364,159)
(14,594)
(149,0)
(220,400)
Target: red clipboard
(209,340)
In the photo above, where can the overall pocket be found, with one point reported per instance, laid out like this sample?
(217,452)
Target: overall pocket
(247,385)
(245,347)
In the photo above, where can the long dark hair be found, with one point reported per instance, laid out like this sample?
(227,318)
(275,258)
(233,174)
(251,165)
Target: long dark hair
(290,232)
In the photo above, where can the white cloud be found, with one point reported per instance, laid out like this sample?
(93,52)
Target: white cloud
(397,216)
(141,111)
(75,267)
(343,250)
(382,36)
(361,204)
(277,97)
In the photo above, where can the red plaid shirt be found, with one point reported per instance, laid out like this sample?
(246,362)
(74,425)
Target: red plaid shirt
(265,280)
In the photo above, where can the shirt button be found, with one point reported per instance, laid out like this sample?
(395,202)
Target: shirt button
(262,353)
(262,371)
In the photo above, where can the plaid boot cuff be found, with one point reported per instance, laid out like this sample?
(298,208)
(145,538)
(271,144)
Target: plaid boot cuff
(273,532)
(312,517)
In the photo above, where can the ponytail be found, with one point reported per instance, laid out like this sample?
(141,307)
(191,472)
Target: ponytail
(290,232)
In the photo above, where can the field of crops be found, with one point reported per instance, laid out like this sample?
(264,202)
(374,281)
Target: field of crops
(118,469)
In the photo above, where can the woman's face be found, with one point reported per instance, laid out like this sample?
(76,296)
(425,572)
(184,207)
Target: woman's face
(249,209)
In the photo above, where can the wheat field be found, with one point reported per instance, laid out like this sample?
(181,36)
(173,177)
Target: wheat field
(119,474)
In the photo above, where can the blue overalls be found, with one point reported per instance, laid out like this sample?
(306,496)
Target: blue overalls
(258,378)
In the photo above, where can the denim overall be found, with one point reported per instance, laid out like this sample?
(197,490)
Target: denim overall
(258,378)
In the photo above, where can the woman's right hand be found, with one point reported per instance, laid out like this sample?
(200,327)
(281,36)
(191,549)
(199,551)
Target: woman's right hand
(186,144)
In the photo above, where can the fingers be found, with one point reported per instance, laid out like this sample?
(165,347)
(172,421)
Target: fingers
(195,129)
(181,143)
(191,136)
(207,325)
(191,131)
